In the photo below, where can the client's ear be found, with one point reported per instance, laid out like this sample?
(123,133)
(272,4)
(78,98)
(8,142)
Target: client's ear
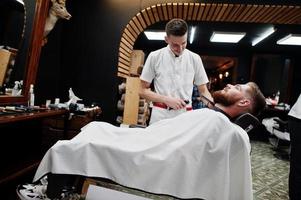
(244,102)
(166,39)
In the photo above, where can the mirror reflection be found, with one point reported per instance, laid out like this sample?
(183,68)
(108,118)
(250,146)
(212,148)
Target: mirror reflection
(12,26)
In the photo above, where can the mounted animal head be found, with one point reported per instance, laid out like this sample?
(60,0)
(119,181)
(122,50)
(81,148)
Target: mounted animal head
(58,10)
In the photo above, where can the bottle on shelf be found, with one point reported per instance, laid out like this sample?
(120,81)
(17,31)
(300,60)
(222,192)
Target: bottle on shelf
(31,96)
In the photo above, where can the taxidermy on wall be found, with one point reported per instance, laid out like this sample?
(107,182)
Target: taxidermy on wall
(57,10)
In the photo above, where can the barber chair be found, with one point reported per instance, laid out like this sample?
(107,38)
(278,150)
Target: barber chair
(279,136)
(247,121)
(281,139)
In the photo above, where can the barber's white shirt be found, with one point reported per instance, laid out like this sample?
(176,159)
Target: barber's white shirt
(173,76)
(296,109)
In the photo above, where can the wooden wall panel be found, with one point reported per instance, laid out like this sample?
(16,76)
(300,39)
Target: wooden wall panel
(233,12)
(291,11)
(134,27)
(238,13)
(160,12)
(146,18)
(243,12)
(127,39)
(263,12)
(137,23)
(123,68)
(141,20)
(201,11)
(175,10)
(190,10)
(216,12)
(169,11)
(254,14)
(295,19)
(211,11)
(131,30)
(207,8)
(165,13)
(185,11)
(156,15)
(126,43)
(180,10)
(124,52)
(127,32)
(150,15)
(248,13)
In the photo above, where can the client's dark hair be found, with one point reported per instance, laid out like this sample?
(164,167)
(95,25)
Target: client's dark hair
(176,27)
(258,100)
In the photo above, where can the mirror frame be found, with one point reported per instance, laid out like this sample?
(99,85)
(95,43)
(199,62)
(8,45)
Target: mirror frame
(33,54)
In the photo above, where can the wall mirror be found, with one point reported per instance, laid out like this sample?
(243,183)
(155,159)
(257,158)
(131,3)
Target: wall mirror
(28,45)
(12,26)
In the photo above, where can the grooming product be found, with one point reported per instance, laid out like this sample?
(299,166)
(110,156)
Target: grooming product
(31,96)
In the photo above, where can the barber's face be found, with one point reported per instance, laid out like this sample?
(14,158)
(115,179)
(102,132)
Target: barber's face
(177,43)
(231,94)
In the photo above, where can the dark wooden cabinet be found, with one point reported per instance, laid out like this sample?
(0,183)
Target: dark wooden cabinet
(21,147)
(60,127)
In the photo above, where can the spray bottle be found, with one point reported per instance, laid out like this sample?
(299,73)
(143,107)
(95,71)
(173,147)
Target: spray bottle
(31,96)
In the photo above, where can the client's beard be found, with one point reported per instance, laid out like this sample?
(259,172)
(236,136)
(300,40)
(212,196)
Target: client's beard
(223,99)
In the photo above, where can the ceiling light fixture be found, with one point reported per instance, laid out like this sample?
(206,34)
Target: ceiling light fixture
(291,39)
(155,35)
(228,37)
(192,33)
(20,1)
(263,35)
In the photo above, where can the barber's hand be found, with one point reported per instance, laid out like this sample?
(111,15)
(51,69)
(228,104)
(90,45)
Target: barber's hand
(175,103)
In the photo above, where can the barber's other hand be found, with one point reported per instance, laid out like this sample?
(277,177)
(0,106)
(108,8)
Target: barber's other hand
(174,103)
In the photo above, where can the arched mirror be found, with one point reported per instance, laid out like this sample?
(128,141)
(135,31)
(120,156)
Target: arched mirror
(21,34)
(252,19)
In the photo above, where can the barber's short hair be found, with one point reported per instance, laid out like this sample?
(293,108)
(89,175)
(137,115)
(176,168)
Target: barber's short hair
(176,27)
(257,98)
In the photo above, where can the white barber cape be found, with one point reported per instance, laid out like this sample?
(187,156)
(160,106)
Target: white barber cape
(198,154)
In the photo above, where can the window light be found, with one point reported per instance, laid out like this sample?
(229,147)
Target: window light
(228,37)
(263,35)
(192,33)
(155,35)
(291,39)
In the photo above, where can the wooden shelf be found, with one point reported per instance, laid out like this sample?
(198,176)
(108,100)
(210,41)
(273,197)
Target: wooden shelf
(30,115)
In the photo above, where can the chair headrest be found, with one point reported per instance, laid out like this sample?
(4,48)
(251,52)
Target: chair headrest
(247,121)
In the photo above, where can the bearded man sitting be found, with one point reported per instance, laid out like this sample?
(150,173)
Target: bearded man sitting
(198,154)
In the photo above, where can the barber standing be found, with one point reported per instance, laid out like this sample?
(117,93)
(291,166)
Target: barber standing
(174,70)
(294,123)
